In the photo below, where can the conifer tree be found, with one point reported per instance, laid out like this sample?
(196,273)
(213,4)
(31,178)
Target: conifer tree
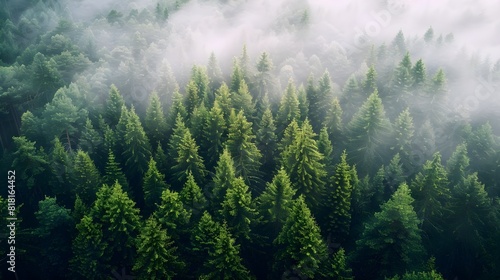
(192,99)
(161,159)
(242,100)
(267,141)
(223,98)
(203,238)
(223,179)
(90,140)
(325,148)
(192,197)
(430,189)
(370,82)
(214,133)
(299,244)
(214,72)
(403,132)
(289,107)
(200,77)
(137,148)
(429,35)
(303,162)
(171,214)
(391,242)
(399,43)
(236,77)
(241,145)
(114,106)
(155,123)
(238,209)
(153,186)
(289,136)
(224,261)
(86,177)
(62,169)
(419,74)
(115,138)
(319,100)
(333,121)
(176,109)
(351,97)
(367,131)
(197,122)
(188,161)
(156,253)
(403,79)
(88,250)
(113,173)
(339,201)
(178,134)
(337,267)
(275,202)
(457,165)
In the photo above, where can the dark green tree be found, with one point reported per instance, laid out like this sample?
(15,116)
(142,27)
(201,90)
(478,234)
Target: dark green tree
(156,253)
(339,201)
(113,173)
(419,74)
(333,121)
(300,248)
(289,107)
(203,238)
(391,242)
(304,164)
(155,124)
(223,179)
(267,141)
(86,177)
(188,161)
(114,106)
(319,100)
(153,186)
(214,72)
(176,109)
(192,197)
(171,214)
(62,169)
(214,133)
(457,165)
(242,100)
(370,82)
(403,136)
(241,145)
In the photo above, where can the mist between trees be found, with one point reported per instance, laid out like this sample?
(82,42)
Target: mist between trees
(250,140)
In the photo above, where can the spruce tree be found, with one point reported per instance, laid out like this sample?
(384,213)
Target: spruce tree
(319,101)
(333,121)
(171,214)
(188,161)
(391,242)
(223,98)
(224,261)
(156,253)
(114,106)
(275,202)
(86,177)
(325,148)
(267,142)
(238,209)
(62,169)
(223,179)
(192,197)
(192,98)
(299,244)
(241,145)
(303,163)
(457,165)
(289,107)
(339,201)
(153,186)
(419,74)
(214,133)
(370,83)
(214,72)
(203,238)
(242,101)
(155,123)
(176,109)
(161,159)
(113,173)
(403,132)
(236,77)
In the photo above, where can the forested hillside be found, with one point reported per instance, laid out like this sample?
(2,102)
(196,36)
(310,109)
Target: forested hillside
(140,150)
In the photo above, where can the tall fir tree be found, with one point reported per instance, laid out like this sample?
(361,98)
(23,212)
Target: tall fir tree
(214,72)
(457,165)
(214,134)
(113,173)
(242,101)
(192,197)
(172,215)
(333,121)
(241,145)
(188,161)
(267,142)
(303,162)
(300,248)
(156,253)
(153,186)
(223,179)
(86,177)
(370,82)
(391,243)
(155,124)
(289,107)
(114,106)
(319,101)
(403,140)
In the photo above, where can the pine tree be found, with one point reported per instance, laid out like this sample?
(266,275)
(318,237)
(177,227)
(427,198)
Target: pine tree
(223,179)
(171,214)
(192,99)
(153,186)
(300,247)
(188,161)
(214,133)
(241,145)
(236,77)
(430,189)
(192,197)
(275,202)
(289,136)
(90,140)
(303,103)
(200,78)
(402,80)
(238,209)
(88,250)
(367,131)
(429,35)
(62,169)
(203,238)
(223,98)
(399,43)
(325,148)
(333,121)
(337,267)
(115,212)
(224,261)
(267,141)
(391,242)
(419,74)
(351,97)
(113,173)
(155,123)
(242,100)
(86,177)
(244,61)
(177,109)
(198,119)
(457,165)
(161,159)
(137,148)
(339,200)
(156,256)
(289,107)
(115,138)
(370,83)
(319,99)
(303,162)
(114,106)
(403,132)
(178,134)
(214,72)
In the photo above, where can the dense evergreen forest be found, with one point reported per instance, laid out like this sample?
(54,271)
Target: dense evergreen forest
(140,153)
